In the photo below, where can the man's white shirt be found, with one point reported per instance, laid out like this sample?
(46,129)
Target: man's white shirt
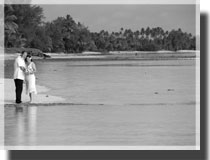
(18,73)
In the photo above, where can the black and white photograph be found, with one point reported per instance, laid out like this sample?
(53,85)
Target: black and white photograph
(102,75)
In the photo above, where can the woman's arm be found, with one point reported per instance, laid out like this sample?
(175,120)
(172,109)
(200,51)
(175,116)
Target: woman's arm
(34,67)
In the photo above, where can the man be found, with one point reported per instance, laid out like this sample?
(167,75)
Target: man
(19,75)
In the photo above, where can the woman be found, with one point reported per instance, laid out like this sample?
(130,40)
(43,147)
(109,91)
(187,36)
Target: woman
(30,77)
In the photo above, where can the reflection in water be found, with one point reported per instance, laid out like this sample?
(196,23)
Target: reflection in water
(26,125)
(101,125)
(32,113)
(20,124)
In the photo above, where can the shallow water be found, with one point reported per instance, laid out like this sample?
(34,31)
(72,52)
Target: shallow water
(144,103)
(101,125)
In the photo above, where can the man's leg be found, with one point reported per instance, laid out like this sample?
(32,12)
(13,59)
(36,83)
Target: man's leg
(16,90)
(19,89)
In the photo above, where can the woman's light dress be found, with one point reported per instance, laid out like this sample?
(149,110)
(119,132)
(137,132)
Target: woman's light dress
(30,80)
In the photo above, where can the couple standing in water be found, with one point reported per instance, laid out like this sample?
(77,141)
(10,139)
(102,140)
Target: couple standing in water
(24,69)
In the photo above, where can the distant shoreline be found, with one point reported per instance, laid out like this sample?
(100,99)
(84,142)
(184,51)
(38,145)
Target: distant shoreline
(118,55)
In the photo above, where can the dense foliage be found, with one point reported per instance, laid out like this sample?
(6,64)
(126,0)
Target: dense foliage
(24,27)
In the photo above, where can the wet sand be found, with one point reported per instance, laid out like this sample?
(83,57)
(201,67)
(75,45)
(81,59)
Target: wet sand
(41,98)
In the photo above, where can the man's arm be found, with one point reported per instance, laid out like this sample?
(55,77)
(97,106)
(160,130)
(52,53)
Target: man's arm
(15,64)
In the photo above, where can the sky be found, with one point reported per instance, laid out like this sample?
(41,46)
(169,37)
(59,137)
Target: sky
(134,17)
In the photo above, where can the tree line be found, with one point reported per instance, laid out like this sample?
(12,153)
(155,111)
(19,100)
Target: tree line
(24,27)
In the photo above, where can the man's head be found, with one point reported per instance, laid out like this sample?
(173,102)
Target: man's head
(23,54)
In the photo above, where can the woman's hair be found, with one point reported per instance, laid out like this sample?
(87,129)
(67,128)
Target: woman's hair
(23,52)
(28,56)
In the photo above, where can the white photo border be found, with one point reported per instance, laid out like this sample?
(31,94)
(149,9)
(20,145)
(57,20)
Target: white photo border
(112,2)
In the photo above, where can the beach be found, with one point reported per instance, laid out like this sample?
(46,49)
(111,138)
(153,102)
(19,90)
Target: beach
(116,102)
(41,98)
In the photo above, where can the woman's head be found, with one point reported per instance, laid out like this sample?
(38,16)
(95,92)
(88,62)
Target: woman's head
(29,58)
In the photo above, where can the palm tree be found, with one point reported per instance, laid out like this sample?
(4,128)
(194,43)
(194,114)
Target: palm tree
(121,30)
(147,32)
(180,30)
(142,32)
(153,33)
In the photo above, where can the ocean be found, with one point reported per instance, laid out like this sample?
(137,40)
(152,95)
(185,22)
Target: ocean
(126,103)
